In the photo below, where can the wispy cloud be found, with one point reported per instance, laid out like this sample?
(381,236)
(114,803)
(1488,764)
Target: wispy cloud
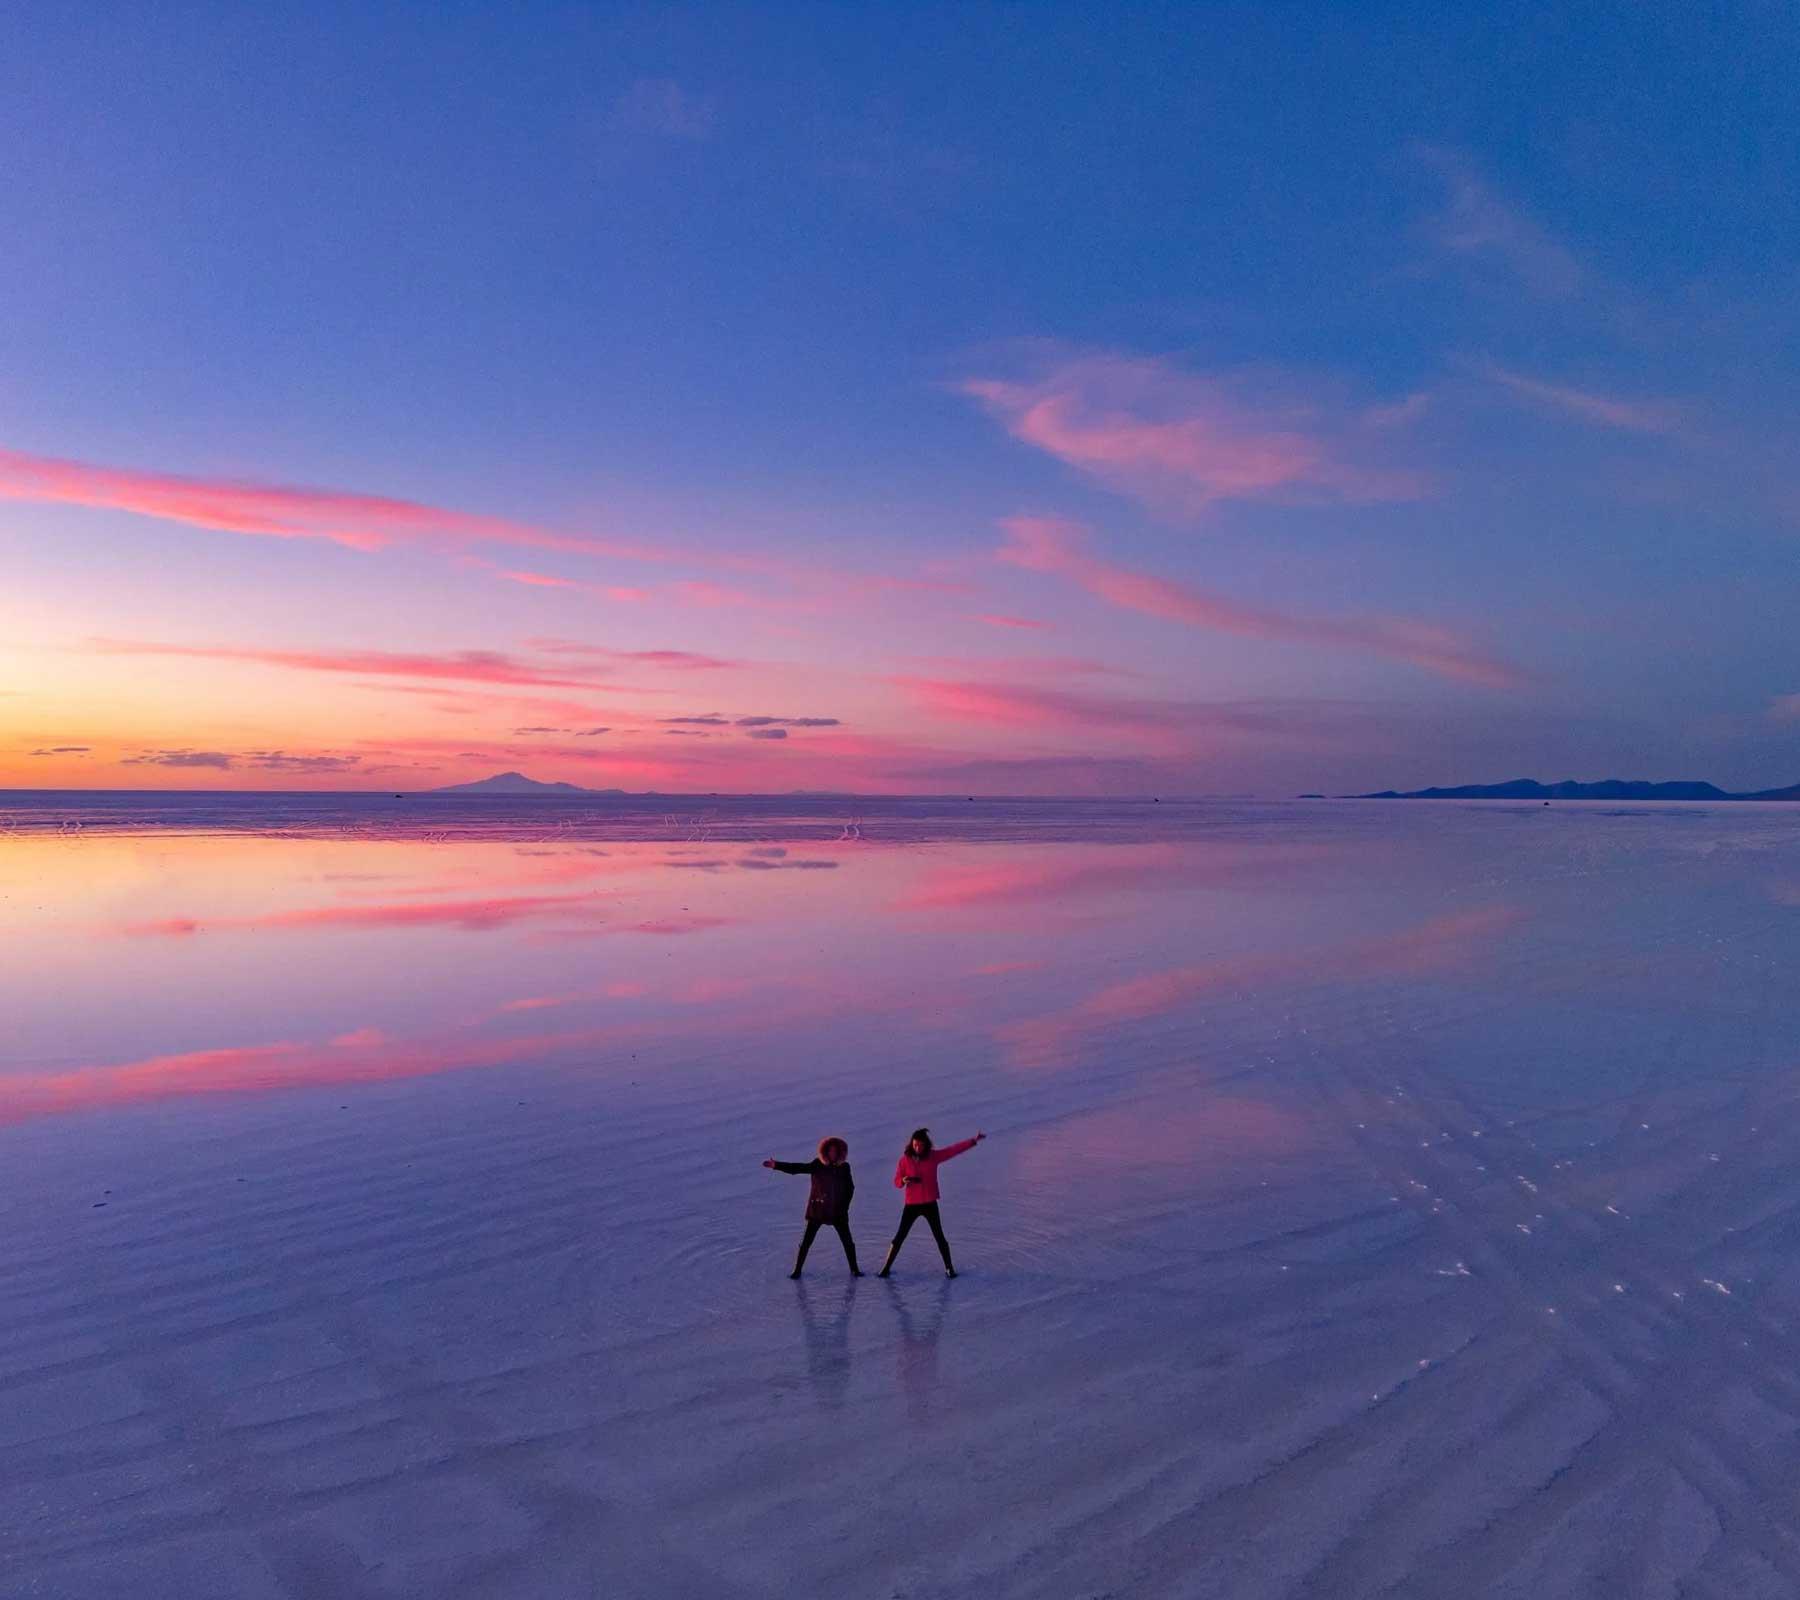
(676,660)
(1071,774)
(1051,545)
(997,620)
(788,722)
(64,750)
(218,759)
(282,761)
(1476,222)
(466,666)
(1027,706)
(630,594)
(712,719)
(662,106)
(1185,442)
(1634,416)
(359,521)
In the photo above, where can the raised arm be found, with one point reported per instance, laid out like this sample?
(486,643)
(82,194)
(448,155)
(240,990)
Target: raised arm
(952,1150)
(794,1167)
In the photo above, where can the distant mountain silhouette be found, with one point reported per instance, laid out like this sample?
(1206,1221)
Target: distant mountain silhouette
(516,783)
(1569,789)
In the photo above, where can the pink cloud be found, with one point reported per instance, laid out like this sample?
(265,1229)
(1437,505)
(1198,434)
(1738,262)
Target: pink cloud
(996,620)
(1476,222)
(659,926)
(1184,442)
(630,594)
(359,521)
(1634,416)
(1050,545)
(470,666)
(675,660)
(1025,706)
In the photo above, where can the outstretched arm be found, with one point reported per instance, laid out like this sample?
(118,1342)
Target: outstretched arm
(795,1167)
(951,1150)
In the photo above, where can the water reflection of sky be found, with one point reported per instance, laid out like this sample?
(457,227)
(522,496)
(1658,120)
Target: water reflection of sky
(158,967)
(1456,1140)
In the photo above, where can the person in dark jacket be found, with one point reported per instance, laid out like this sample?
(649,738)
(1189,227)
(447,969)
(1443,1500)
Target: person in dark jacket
(828,1205)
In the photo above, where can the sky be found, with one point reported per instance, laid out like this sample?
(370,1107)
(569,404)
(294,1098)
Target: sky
(1188,399)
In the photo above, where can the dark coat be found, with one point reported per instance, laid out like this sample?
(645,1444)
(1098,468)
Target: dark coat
(832,1187)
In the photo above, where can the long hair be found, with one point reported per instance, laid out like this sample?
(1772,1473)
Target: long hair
(827,1142)
(923,1135)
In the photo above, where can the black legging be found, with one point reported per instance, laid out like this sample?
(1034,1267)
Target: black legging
(929,1211)
(843,1232)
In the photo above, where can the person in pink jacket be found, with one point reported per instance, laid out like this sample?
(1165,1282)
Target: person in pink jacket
(917,1176)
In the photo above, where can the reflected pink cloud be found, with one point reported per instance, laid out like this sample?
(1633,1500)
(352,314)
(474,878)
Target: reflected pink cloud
(1442,945)
(1051,545)
(693,992)
(1032,880)
(1185,442)
(367,1055)
(1070,875)
(472,915)
(1188,1134)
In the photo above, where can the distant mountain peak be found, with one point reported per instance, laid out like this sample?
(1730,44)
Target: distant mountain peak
(514,783)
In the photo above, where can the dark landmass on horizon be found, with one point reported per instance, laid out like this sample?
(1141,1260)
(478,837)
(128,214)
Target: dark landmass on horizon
(1570,789)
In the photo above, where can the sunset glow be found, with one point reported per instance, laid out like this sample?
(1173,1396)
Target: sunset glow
(651,438)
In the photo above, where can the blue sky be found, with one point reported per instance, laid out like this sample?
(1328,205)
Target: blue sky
(1363,320)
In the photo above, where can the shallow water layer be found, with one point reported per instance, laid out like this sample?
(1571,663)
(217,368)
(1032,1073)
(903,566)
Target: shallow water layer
(1379,1200)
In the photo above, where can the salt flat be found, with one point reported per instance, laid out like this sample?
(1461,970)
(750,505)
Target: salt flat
(1379,1200)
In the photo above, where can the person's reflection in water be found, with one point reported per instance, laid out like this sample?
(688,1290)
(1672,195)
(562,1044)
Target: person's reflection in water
(921,1324)
(827,1324)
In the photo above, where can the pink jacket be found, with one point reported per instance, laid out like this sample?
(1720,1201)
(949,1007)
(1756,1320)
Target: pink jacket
(924,1170)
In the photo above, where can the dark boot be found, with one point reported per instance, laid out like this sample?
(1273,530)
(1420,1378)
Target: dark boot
(850,1252)
(806,1240)
(893,1250)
